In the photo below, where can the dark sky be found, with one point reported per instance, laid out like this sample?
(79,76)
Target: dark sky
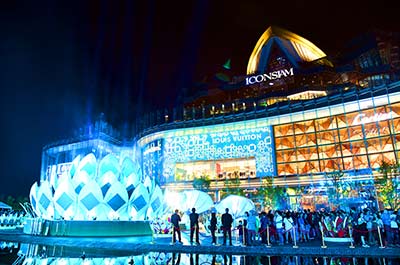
(64,62)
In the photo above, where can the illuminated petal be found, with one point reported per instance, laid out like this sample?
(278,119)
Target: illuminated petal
(107,164)
(64,198)
(237,205)
(116,197)
(138,203)
(89,198)
(156,203)
(33,198)
(89,165)
(45,200)
(198,199)
(74,166)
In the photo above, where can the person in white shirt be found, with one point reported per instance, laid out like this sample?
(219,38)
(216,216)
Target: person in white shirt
(289,227)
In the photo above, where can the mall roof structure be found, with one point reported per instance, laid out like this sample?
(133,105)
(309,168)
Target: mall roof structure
(296,48)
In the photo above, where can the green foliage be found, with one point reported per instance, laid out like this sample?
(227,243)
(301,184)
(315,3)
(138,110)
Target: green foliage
(270,195)
(202,183)
(333,193)
(387,184)
(232,186)
(15,203)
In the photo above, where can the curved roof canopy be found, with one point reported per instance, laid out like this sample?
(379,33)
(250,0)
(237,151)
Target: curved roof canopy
(297,48)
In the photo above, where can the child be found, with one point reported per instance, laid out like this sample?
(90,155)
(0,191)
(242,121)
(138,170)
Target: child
(240,229)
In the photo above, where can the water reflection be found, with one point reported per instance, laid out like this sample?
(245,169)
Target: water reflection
(30,254)
(8,246)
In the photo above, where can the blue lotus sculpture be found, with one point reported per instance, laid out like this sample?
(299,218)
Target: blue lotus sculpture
(108,189)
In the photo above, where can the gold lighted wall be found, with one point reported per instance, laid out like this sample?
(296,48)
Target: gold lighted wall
(339,142)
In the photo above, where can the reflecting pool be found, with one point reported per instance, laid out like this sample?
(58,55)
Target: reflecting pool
(33,254)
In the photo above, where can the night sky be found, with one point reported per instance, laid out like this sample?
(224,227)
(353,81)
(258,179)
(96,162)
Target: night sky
(64,62)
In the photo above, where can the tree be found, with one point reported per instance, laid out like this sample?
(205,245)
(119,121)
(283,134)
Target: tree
(202,183)
(15,203)
(271,195)
(232,186)
(335,177)
(387,184)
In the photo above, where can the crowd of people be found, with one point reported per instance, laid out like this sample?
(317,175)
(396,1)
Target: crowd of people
(365,227)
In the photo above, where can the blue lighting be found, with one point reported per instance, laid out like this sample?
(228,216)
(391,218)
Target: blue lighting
(161,156)
(139,203)
(64,201)
(116,202)
(90,201)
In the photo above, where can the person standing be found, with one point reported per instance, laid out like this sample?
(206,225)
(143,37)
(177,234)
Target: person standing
(362,229)
(194,226)
(175,219)
(227,220)
(213,227)
(240,229)
(278,221)
(289,227)
(245,230)
(263,227)
(252,227)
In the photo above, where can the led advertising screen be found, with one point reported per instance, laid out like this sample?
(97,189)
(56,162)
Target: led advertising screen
(178,149)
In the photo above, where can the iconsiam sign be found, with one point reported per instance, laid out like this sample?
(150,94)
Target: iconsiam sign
(105,190)
(269,76)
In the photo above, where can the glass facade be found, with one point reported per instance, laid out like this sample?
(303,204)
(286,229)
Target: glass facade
(295,148)
(298,148)
(350,141)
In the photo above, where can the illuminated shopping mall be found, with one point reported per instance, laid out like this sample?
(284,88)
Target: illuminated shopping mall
(295,119)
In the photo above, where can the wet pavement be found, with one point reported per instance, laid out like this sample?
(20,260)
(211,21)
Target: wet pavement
(162,243)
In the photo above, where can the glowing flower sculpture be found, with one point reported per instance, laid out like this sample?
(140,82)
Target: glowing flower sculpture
(104,190)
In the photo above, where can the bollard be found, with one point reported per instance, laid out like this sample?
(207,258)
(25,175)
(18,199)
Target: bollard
(294,237)
(268,243)
(322,236)
(323,240)
(380,238)
(351,238)
(236,237)
(244,237)
(172,236)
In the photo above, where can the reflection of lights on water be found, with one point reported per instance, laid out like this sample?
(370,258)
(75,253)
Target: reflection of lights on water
(87,262)
(62,262)
(109,261)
